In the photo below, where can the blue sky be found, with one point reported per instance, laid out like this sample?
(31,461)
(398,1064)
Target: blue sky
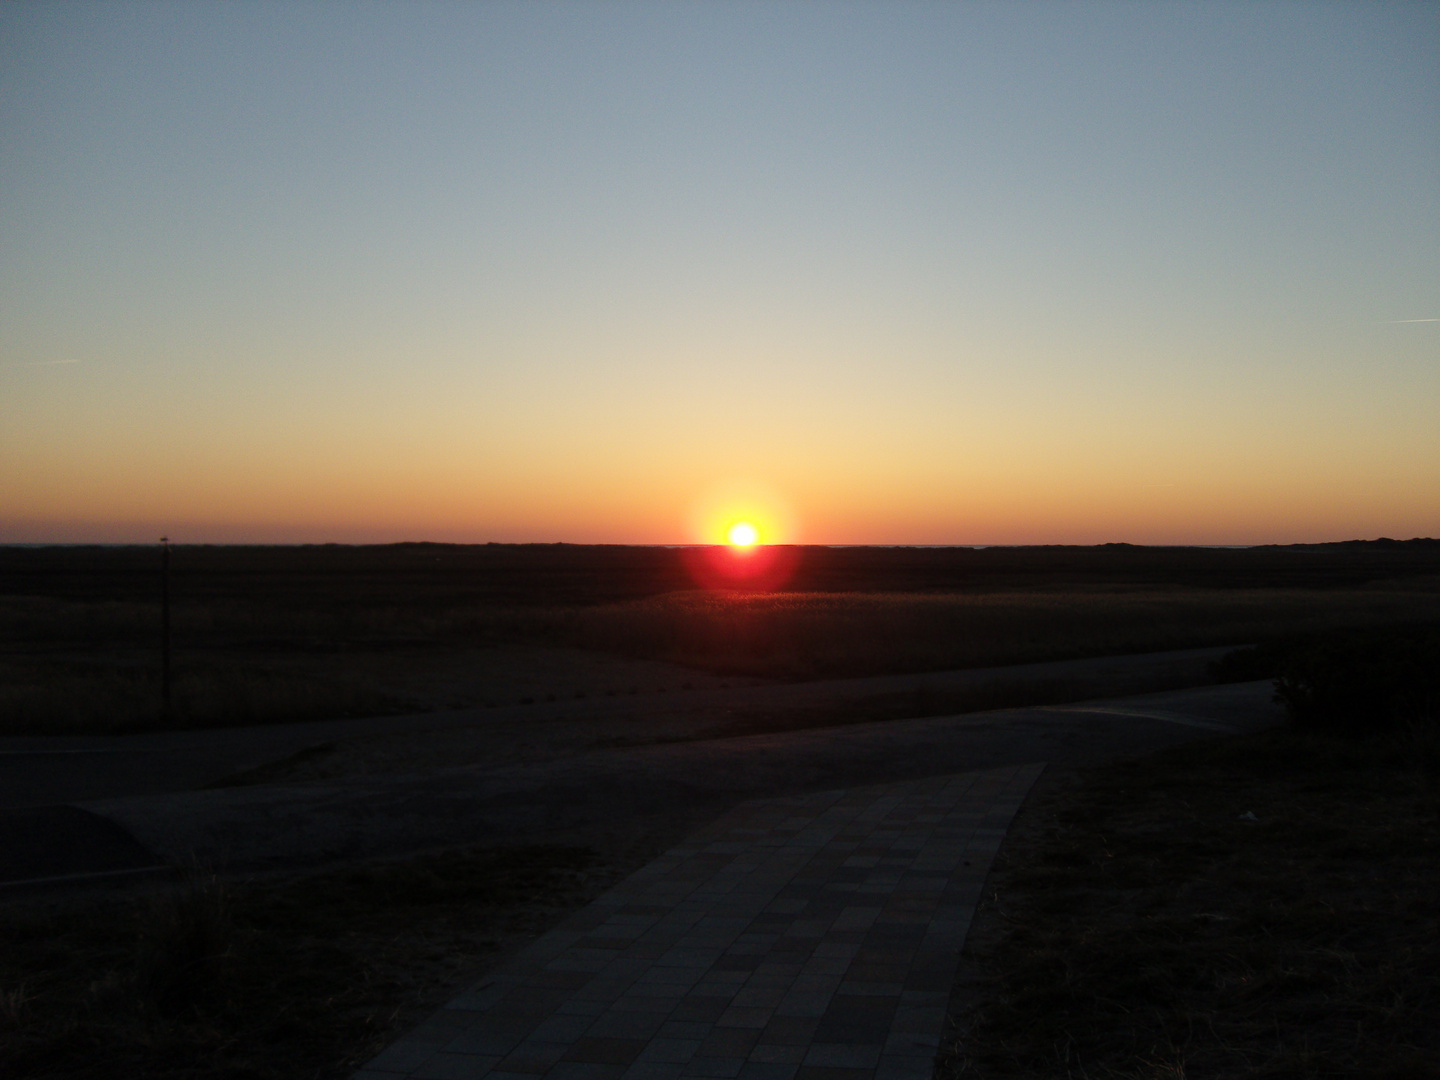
(924,273)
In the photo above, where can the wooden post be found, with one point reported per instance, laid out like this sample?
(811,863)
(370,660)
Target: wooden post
(165,626)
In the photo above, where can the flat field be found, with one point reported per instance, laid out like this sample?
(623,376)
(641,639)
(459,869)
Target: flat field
(271,634)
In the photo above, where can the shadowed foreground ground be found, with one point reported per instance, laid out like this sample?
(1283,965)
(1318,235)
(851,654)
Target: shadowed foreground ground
(309,974)
(345,877)
(1248,907)
(312,794)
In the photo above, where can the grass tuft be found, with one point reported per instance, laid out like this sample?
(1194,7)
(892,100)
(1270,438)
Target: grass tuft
(185,947)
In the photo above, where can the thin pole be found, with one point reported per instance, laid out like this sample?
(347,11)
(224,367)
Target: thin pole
(165,624)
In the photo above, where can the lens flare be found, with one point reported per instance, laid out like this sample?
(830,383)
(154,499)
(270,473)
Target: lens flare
(744,540)
(718,510)
(742,535)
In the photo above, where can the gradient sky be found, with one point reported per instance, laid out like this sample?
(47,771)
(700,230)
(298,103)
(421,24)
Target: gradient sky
(870,273)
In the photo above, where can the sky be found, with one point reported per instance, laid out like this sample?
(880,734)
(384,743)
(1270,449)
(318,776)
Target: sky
(895,273)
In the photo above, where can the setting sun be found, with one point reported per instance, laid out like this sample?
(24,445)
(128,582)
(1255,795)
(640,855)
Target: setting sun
(742,534)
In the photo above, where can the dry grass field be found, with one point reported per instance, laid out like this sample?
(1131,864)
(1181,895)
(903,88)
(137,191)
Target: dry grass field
(819,635)
(74,666)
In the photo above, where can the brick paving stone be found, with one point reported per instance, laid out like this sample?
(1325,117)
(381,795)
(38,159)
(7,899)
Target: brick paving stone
(715,1068)
(584,1070)
(618,1024)
(768,1070)
(533,1058)
(789,1031)
(488,1043)
(843,1055)
(700,1009)
(905,1068)
(828,1072)
(685,1029)
(759,997)
(806,937)
(653,1070)
(739,1017)
(670,1051)
(444,1066)
(728,1043)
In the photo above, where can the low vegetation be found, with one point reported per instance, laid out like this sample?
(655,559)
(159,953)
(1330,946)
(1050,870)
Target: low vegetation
(1354,682)
(1261,906)
(93,667)
(71,696)
(263,980)
(816,635)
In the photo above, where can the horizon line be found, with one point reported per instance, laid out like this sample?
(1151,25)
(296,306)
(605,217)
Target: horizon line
(683,546)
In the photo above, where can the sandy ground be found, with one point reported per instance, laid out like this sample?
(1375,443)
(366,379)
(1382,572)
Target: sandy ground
(585,770)
(275,826)
(42,771)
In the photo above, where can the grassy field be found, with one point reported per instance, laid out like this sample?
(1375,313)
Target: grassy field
(73,666)
(1241,908)
(818,635)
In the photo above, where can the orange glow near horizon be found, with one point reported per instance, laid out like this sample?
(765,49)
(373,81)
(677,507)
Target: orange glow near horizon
(742,515)
(203,500)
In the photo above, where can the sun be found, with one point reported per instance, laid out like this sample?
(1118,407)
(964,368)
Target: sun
(742,535)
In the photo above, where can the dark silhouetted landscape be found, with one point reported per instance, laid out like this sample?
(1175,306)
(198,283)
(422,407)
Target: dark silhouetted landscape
(492,735)
(264,634)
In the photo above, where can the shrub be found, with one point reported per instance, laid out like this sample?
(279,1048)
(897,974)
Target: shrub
(186,944)
(1363,682)
(1254,662)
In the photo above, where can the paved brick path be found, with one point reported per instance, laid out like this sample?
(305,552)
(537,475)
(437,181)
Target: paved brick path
(814,937)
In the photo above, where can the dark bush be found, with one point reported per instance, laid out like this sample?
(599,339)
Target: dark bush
(1363,682)
(1263,661)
